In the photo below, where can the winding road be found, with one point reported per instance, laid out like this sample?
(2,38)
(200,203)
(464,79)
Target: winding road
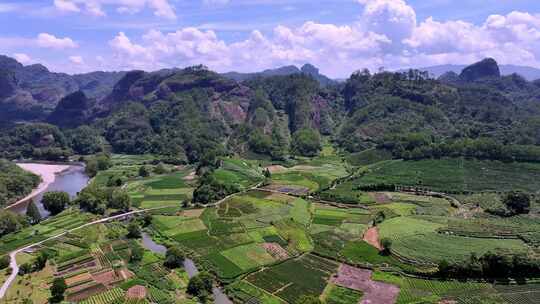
(13,262)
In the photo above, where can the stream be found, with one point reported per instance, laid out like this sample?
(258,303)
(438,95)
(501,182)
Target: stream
(189,266)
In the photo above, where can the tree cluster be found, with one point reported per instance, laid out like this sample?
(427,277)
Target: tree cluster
(492,266)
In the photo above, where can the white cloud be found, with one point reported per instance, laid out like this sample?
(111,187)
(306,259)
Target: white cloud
(161,8)
(22,58)
(46,40)
(386,33)
(76,59)
(66,6)
(393,18)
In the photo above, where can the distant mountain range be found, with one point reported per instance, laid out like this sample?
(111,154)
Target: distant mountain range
(282,71)
(528,73)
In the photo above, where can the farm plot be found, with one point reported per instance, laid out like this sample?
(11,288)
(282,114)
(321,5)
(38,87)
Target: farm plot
(519,294)
(418,239)
(413,290)
(245,292)
(335,294)
(333,216)
(238,172)
(360,279)
(295,278)
(456,175)
(161,190)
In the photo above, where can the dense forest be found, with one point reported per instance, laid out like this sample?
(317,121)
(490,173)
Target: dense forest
(181,114)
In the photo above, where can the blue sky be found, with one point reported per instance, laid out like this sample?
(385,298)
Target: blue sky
(339,36)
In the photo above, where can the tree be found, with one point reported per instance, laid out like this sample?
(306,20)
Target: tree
(33,214)
(160,169)
(137,253)
(134,231)
(147,219)
(41,261)
(143,171)
(387,246)
(444,269)
(58,288)
(306,142)
(120,200)
(55,201)
(174,258)
(92,199)
(518,202)
(25,269)
(11,222)
(200,286)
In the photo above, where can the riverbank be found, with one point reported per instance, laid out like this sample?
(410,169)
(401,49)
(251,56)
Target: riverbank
(46,172)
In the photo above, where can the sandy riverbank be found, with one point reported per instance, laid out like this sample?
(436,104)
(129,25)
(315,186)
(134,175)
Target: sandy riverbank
(47,173)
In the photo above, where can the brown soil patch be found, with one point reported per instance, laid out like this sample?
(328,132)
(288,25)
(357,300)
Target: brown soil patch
(136,292)
(85,291)
(276,251)
(276,169)
(371,236)
(193,212)
(83,277)
(360,279)
(125,274)
(106,277)
(380,198)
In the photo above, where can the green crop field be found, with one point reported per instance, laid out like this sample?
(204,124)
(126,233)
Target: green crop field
(341,295)
(456,174)
(414,290)
(295,278)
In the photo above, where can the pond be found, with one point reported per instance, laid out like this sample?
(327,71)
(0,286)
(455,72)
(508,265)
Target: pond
(72,181)
(219,296)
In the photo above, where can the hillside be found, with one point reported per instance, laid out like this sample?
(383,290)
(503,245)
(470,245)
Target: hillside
(197,111)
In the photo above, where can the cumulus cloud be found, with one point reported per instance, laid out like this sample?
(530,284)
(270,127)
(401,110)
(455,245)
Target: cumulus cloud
(46,40)
(387,33)
(161,8)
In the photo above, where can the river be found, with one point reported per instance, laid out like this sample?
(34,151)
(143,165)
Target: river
(219,296)
(72,181)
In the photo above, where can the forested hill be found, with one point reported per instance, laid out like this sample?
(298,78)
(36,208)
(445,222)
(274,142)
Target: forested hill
(185,114)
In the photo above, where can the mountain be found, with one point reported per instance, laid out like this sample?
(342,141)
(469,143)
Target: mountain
(184,114)
(528,73)
(31,92)
(283,71)
(487,68)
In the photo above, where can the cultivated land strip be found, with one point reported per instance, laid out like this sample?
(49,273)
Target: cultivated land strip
(13,262)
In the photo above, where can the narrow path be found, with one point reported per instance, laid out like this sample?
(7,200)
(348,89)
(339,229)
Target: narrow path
(12,255)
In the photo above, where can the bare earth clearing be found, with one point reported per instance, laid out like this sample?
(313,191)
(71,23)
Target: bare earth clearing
(371,236)
(360,279)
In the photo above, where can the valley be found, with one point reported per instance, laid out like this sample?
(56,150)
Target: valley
(189,186)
